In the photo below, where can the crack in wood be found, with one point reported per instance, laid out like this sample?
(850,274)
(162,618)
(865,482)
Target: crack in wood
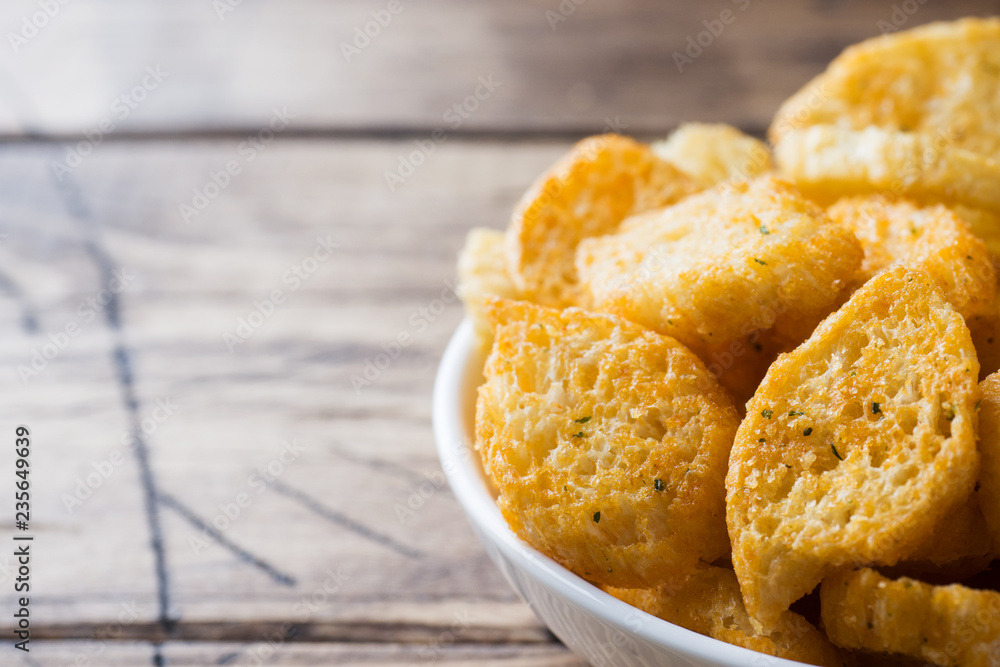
(242,554)
(333,516)
(313,632)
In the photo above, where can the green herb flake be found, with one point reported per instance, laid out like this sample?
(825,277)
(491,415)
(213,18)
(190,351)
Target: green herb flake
(766,414)
(835,452)
(582,420)
(760,261)
(951,413)
(657,484)
(597,517)
(796,413)
(870,626)
(876,408)
(764,230)
(808,431)
(762,440)
(578,435)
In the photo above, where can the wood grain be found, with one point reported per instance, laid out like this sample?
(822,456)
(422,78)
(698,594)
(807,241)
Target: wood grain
(605,60)
(324,545)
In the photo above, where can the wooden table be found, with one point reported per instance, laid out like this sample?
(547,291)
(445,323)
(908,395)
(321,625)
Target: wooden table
(201,253)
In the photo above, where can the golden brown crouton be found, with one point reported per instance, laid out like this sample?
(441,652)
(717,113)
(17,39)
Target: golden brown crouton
(607,442)
(856,444)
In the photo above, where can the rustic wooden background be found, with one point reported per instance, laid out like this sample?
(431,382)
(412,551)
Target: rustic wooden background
(350,550)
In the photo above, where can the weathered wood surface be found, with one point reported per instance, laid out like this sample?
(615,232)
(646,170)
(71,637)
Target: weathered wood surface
(564,66)
(324,544)
(178,654)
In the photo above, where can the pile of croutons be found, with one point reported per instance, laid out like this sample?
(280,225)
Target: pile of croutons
(750,392)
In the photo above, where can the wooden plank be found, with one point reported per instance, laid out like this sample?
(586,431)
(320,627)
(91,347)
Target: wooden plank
(604,61)
(325,542)
(283,654)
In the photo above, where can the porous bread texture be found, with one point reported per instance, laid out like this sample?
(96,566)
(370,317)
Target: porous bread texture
(896,232)
(944,625)
(827,162)
(712,153)
(742,257)
(588,192)
(856,444)
(985,330)
(940,78)
(482,273)
(989,449)
(607,443)
(710,604)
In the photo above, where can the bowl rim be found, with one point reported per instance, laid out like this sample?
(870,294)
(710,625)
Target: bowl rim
(456,378)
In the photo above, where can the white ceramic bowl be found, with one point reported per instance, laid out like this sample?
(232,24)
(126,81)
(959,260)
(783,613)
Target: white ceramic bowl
(594,625)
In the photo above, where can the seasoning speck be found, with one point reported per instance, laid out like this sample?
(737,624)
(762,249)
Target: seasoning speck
(657,484)
(808,431)
(836,453)
(597,517)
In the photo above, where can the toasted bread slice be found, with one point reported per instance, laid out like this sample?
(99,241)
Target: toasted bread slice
(589,192)
(896,232)
(856,444)
(713,153)
(607,442)
(943,625)
(710,604)
(742,257)
(827,162)
(482,273)
(989,449)
(985,331)
(940,79)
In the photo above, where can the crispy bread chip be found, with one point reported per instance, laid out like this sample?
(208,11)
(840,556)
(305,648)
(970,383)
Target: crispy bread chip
(710,604)
(985,331)
(482,272)
(828,162)
(589,192)
(985,225)
(742,257)
(934,239)
(989,449)
(944,625)
(856,444)
(713,153)
(741,364)
(607,442)
(938,78)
